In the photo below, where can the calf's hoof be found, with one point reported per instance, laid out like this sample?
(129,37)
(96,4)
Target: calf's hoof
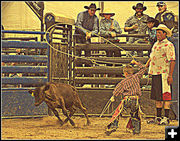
(61,123)
(72,122)
(66,120)
(109,132)
(88,123)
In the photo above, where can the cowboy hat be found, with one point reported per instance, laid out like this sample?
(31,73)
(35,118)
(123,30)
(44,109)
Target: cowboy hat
(139,5)
(164,28)
(92,6)
(151,19)
(107,12)
(161,3)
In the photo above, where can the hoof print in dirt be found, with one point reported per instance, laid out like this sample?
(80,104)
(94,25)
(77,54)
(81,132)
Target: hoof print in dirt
(109,132)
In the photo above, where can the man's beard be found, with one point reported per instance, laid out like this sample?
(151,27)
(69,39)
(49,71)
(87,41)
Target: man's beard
(139,13)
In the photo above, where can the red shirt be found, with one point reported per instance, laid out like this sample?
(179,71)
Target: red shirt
(130,86)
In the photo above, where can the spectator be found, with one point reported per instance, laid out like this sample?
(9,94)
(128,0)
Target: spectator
(109,28)
(87,25)
(167,17)
(151,22)
(135,25)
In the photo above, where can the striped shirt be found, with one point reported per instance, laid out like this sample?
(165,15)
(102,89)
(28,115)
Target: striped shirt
(130,86)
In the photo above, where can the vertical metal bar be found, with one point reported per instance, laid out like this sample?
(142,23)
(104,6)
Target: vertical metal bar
(50,57)
(101,5)
(48,53)
(73,59)
(49,66)
(70,52)
(47,37)
(42,30)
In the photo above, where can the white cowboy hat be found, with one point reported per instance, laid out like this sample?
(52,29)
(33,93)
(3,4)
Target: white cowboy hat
(107,12)
(164,28)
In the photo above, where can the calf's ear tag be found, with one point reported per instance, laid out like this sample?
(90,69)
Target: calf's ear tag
(32,94)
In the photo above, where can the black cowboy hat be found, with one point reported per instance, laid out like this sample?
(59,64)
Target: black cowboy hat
(151,19)
(161,3)
(92,6)
(139,5)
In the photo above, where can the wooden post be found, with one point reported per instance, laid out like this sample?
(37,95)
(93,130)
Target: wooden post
(101,5)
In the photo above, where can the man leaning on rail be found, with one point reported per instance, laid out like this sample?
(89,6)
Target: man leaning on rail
(109,28)
(135,25)
(87,25)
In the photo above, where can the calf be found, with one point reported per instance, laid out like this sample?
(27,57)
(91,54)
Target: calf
(59,95)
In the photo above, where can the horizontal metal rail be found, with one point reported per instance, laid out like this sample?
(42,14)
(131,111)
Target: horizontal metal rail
(106,80)
(101,89)
(24,69)
(24,80)
(106,47)
(22,32)
(98,92)
(24,44)
(60,38)
(59,33)
(101,70)
(25,58)
(18,89)
(15,92)
(124,60)
(62,28)
(20,38)
(118,35)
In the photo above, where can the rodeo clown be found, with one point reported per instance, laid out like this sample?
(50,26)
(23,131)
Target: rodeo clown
(130,89)
(162,62)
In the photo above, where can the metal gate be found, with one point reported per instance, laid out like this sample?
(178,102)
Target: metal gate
(92,89)
(21,72)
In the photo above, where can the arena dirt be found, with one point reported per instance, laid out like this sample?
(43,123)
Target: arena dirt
(49,128)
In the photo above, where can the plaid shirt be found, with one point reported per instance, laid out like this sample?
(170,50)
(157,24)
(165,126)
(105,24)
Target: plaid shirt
(130,86)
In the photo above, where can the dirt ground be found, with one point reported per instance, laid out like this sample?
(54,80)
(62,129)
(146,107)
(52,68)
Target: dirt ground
(49,128)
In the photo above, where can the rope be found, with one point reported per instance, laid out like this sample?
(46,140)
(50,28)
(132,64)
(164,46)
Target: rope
(105,107)
(92,60)
(121,107)
(148,80)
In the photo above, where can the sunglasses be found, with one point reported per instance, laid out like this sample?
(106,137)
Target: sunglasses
(160,5)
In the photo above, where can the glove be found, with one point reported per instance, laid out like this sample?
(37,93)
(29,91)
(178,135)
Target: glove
(113,34)
(133,62)
(112,99)
(88,35)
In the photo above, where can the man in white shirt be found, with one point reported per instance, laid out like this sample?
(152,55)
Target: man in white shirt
(162,62)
